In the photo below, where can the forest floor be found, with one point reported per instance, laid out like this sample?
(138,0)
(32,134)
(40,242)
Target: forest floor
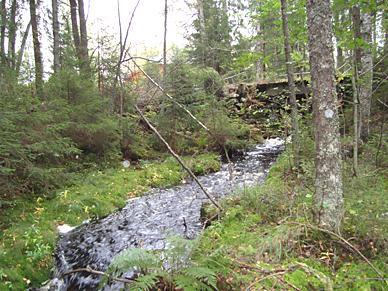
(266,239)
(28,229)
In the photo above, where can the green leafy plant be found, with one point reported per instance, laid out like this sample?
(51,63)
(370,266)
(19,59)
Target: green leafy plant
(168,269)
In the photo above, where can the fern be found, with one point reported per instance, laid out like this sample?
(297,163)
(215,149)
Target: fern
(171,267)
(145,282)
(189,283)
(202,274)
(133,259)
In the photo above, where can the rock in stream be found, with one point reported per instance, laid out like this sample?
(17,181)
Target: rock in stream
(147,221)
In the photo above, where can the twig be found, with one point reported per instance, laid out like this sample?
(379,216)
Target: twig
(289,284)
(91,271)
(382,102)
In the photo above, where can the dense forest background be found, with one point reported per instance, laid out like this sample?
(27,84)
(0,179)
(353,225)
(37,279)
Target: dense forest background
(87,110)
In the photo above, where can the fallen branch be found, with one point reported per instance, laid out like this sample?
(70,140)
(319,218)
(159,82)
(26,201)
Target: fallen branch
(91,271)
(180,161)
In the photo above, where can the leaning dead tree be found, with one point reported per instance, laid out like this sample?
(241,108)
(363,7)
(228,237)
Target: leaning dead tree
(176,156)
(165,93)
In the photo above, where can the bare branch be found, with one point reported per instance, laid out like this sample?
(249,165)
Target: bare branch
(180,161)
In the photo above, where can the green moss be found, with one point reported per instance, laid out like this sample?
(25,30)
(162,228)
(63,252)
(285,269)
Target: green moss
(258,230)
(28,234)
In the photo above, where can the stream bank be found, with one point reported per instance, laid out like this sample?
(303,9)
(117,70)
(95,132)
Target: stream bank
(147,221)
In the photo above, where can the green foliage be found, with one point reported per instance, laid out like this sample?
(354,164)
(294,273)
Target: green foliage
(25,251)
(195,88)
(210,44)
(263,232)
(170,268)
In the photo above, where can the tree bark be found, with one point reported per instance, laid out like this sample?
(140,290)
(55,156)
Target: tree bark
(355,114)
(340,57)
(74,28)
(84,38)
(22,48)
(202,32)
(56,53)
(12,35)
(328,196)
(259,48)
(37,50)
(2,31)
(291,83)
(365,74)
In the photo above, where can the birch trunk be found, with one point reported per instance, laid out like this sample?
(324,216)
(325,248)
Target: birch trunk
(328,197)
(291,83)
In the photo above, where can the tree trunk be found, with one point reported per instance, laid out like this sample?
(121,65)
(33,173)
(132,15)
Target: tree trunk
(202,28)
(259,48)
(365,74)
(37,50)
(74,28)
(56,52)
(340,57)
(22,48)
(328,197)
(355,113)
(2,31)
(291,83)
(356,20)
(84,38)
(165,42)
(12,35)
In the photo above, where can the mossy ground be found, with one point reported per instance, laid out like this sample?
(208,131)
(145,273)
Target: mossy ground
(28,228)
(266,239)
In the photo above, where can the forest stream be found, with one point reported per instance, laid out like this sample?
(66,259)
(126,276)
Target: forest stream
(146,222)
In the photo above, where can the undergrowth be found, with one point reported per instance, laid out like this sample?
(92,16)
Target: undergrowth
(267,239)
(28,227)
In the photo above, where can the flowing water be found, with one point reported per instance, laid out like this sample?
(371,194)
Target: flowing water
(147,221)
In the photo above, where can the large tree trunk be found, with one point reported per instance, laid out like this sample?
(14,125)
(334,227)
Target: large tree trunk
(328,197)
(84,38)
(291,83)
(37,50)
(12,35)
(365,74)
(3,14)
(75,29)
(56,52)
